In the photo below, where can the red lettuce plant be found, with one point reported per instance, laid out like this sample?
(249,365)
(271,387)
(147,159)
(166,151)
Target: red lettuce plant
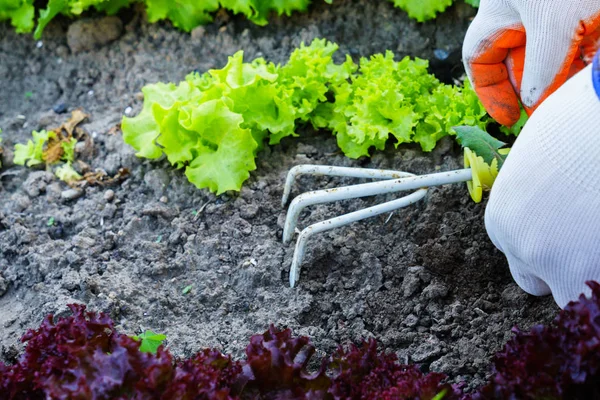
(83,357)
(208,375)
(560,361)
(362,373)
(276,368)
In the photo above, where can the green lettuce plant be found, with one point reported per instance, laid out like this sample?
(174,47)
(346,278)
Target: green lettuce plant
(214,124)
(185,14)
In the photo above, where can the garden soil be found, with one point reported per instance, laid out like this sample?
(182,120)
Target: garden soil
(425,281)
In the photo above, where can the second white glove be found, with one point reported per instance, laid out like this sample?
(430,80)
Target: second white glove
(544,208)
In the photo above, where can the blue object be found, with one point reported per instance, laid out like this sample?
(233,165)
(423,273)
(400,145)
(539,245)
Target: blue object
(60,108)
(441,54)
(596,73)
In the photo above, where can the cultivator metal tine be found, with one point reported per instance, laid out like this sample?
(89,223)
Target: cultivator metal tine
(420,183)
(342,220)
(326,170)
(367,189)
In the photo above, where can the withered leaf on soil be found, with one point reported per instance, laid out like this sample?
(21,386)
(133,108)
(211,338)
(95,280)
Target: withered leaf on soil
(77,117)
(114,130)
(54,150)
(101,178)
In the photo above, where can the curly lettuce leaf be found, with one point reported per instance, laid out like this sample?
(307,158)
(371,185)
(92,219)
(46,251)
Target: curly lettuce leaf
(21,14)
(448,106)
(378,102)
(32,153)
(423,10)
(67,173)
(213,124)
(226,153)
(141,131)
(184,14)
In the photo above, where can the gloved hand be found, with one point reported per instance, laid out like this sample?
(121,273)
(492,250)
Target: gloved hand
(544,207)
(559,33)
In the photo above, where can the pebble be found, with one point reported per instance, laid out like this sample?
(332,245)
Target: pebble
(71,194)
(109,195)
(198,33)
(164,199)
(60,108)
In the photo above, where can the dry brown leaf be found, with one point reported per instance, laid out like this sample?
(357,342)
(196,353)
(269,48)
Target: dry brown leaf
(114,130)
(77,117)
(54,150)
(100,177)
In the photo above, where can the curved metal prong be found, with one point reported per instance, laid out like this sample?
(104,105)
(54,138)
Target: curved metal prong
(367,189)
(342,220)
(326,170)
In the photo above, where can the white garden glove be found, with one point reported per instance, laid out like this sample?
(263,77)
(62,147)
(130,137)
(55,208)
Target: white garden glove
(503,70)
(544,208)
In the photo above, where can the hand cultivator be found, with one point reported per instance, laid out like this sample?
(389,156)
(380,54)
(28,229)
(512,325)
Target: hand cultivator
(478,176)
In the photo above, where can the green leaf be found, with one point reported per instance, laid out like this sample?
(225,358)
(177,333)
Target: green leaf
(226,155)
(480,142)
(184,14)
(518,126)
(474,3)
(67,174)
(50,221)
(31,154)
(69,150)
(151,341)
(187,289)
(141,131)
(111,7)
(423,10)
(53,8)
(21,18)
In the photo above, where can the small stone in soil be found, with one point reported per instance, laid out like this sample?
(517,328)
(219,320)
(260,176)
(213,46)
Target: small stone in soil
(60,108)
(71,194)
(109,195)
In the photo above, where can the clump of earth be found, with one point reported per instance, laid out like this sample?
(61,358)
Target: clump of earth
(425,281)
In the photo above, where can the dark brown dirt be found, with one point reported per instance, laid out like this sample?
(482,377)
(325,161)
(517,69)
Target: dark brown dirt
(425,281)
